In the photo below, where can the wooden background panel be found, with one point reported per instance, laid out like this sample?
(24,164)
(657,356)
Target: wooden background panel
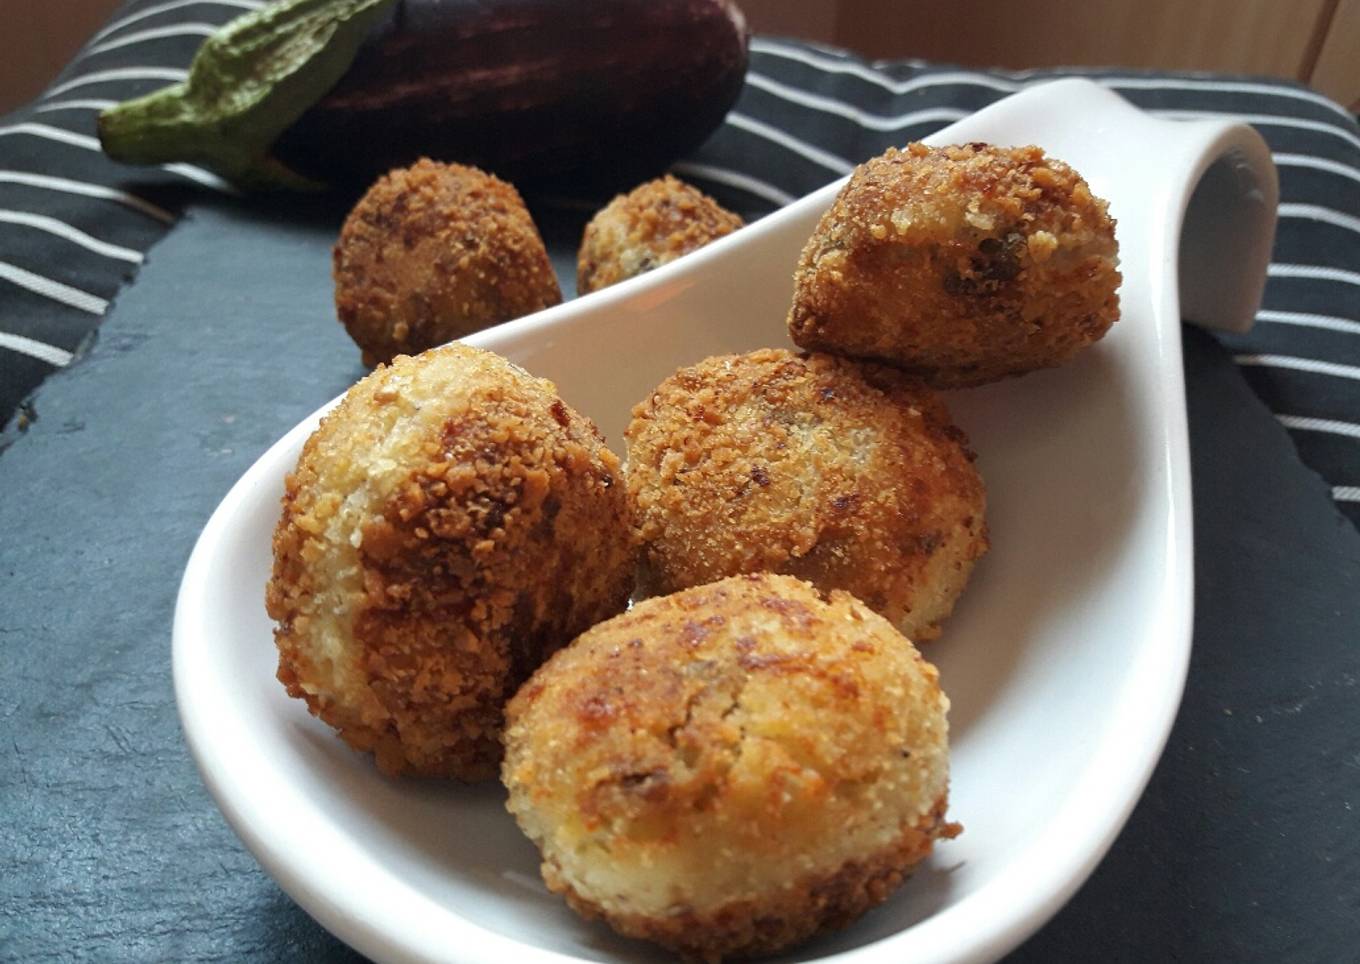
(806,19)
(1255,36)
(37,40)
(1337,72)
(1317,41)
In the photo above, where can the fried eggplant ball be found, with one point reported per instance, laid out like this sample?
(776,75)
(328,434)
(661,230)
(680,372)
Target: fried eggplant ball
(409,563)
(846,474)
(961,264)
(731,769)
(646,228)
(434,252)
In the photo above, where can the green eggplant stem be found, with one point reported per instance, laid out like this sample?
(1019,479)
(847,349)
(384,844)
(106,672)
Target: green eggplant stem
(247,84)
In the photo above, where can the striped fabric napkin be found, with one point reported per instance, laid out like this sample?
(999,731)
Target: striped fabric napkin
(75,226)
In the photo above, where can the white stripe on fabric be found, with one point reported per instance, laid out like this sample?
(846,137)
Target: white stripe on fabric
(1299,365)
(887,63)
(1317,164)
(201,176)
(1346,493)
(1310,424)
(1313,272)
(74,105)
(744,182)
(773,134)
(63,230)
(1316,212)
(939,79)
(196,174)
(116,74)
(830,105)
(68,186)
(53,134)
(1310,321)
(759,45)
(1331,426)
(154,33)
(173,5)
(831,50)
(55,290)
(880,122)
(54,356)
(1223,86)
(1264,120)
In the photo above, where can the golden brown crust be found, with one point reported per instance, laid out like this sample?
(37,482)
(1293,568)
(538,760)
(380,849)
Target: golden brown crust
(757,928)
(962,264)
(731,768)
(653,224)
(847,474)
(410,559)
(434,252)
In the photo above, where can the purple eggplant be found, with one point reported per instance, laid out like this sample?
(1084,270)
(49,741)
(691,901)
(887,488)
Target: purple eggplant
(556,94)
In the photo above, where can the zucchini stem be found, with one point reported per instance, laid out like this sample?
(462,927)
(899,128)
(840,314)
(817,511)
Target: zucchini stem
(248,83)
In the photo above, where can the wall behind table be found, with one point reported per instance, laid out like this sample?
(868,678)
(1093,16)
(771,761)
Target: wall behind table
(38,38)
(1314,41)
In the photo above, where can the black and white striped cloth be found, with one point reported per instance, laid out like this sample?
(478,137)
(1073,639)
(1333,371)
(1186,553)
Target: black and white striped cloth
(74,226)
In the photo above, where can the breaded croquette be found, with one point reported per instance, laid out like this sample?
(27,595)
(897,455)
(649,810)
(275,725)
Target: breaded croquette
(646,228)
(434,252)
(731,769)
(961,264)
(409,563)
(847,474)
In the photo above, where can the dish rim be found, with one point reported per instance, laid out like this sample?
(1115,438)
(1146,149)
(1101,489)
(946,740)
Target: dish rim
(1071,843)
(1027,891)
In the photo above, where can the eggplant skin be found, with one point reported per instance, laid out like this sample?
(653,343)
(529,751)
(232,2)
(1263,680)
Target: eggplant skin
(558,95)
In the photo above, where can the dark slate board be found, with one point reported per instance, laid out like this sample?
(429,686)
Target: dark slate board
(1244,848)
(1246,844)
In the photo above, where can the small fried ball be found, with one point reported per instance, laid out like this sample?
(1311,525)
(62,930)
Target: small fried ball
(449,524)
(962,264)
(847,474)
(646,228)
(731,769)
(434,252)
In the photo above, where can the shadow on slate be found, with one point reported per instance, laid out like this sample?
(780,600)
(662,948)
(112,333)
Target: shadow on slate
(1246,844)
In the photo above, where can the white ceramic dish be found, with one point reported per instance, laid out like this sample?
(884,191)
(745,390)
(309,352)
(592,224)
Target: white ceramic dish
(1065,660)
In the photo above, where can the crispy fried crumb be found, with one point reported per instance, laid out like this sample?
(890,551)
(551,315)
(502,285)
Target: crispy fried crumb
(731,769)
(409,562)
(963,264)
(846,474)
(646,228)
(434,252)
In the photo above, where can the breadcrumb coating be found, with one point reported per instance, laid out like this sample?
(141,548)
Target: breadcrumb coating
(434,252)
(731,769)
(650,226)
(847,474)
(449,524)
(962,264)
